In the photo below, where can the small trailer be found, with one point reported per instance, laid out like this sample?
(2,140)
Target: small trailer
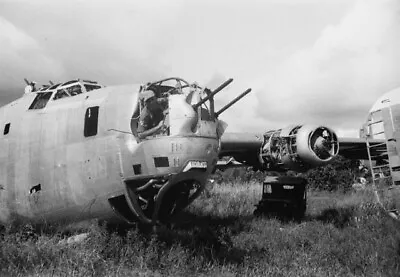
(283,196)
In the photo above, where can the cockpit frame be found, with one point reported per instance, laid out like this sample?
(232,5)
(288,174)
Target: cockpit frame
(62,90)
(161,91)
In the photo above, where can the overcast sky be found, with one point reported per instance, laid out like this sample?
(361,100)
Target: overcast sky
(317,61)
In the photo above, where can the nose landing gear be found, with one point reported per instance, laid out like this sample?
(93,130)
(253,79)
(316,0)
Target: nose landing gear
(158,200)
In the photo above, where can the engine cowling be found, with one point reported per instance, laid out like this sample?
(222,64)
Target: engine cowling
(298,148)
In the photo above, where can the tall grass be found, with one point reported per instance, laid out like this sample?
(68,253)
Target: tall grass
(342,235)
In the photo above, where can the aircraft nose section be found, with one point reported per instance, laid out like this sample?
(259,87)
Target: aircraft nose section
(169,165)
(167,173)
(171,155)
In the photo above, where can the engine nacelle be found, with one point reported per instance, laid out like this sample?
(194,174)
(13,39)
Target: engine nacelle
(298,148)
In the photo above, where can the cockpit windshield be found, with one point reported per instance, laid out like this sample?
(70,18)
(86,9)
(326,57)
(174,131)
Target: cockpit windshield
(74,87)
(90,87)
(171,86)
(64,90)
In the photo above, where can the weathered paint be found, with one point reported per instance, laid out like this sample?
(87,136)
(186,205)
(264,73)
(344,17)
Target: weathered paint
(47,147)
(49,171)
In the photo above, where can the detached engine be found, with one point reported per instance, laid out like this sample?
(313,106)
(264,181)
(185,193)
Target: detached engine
(298,148)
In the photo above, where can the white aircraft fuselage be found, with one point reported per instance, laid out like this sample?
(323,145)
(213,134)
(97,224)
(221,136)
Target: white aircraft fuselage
(79,156)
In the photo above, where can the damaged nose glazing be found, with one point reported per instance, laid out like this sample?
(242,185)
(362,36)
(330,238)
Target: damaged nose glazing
(178,146)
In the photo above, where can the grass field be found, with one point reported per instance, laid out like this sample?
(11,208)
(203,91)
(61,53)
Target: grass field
(341,235)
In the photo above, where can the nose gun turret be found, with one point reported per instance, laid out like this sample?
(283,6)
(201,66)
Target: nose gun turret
(211,95)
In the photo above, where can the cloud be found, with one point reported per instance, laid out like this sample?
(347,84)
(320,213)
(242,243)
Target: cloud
(338,79)
(300,70)
(21,56)
(112,42)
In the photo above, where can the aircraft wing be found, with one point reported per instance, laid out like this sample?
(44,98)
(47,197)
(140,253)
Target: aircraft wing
(240,144)
(245,148)
(356,148)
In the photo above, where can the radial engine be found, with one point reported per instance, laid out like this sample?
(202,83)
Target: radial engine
(298,148)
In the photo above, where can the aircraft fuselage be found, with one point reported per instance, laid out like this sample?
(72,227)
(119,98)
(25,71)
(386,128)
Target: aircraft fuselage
(80,157)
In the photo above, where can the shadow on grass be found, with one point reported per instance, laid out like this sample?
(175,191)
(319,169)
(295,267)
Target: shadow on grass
(209,235)
(340,217)
(187,220)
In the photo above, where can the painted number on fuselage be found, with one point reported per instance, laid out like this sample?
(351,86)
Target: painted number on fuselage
(176,147)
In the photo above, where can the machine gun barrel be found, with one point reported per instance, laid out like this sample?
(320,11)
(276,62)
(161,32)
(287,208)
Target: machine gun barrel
(232,102)
(218,89)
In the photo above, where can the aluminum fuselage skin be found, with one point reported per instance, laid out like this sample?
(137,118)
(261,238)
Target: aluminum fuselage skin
(51,172)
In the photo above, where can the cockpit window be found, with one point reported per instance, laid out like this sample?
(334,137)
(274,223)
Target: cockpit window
(54,86)
(42,89)
(69,82)
(74,90)
(153,111)
(160,90)
(152,118)
(91,87)
(61,93)
(40,100)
